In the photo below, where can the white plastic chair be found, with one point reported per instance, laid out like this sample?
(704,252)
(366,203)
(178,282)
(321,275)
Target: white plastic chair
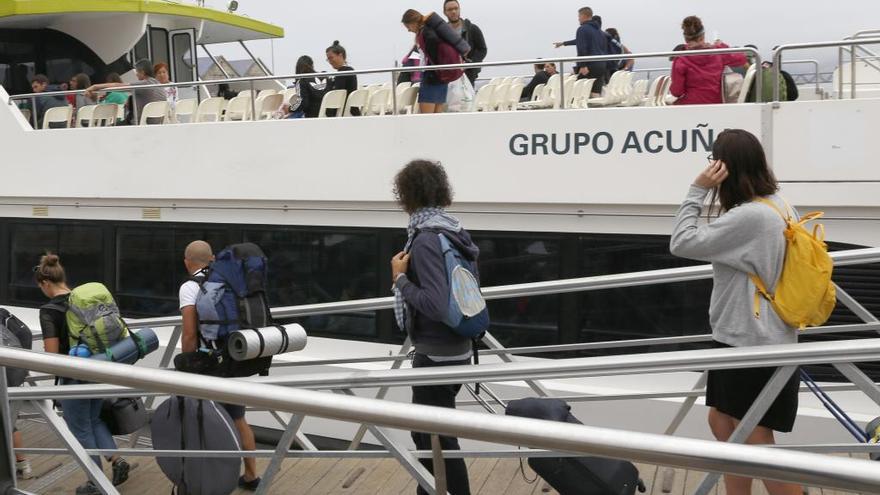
(513,96)
(356,99)
(210,110)
(537,92)
(614,92)
(185,109)
(637,95)
(238,108)
(84,115)
(650,99)
(663,97)
(246,93)
(406,102)
(120,111)
(378,102)
(155,110)
(287,93)
(266,92)
(104,115)
(496,81)
(747,84)
(333,100)
(58,115)
(484,97)
(499,97)
(268,104)
(580,93)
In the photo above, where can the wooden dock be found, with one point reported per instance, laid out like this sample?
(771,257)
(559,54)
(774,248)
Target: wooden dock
(60,474)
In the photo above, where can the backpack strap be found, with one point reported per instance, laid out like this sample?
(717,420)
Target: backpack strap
(760,288)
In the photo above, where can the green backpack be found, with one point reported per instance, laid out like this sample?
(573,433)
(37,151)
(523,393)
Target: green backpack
(767,84)
(93,318)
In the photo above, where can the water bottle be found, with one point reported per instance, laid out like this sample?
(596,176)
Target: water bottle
(80,350)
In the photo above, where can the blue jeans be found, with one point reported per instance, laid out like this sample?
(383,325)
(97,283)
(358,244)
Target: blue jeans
(83,417)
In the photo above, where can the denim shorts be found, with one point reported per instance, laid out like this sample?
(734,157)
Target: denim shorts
(433,93)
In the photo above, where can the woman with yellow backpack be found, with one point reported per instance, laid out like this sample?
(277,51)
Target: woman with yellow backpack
(759,293)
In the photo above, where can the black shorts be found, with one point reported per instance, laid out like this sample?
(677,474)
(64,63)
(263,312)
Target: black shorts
(235,411)
(733,392)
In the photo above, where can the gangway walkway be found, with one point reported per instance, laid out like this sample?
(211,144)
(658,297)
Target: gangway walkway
(276,394)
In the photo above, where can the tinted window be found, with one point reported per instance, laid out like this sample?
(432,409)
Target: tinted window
(317,267)
(506,260)
(80,249)
(183,64)
(149,267)
(638,312)
(141,49)
(159,42)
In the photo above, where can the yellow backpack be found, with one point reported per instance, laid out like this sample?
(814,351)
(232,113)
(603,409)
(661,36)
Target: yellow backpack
(805,295)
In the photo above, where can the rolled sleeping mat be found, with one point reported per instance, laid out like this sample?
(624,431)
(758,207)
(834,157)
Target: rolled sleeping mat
(873,433)
(130,350)
(255,343)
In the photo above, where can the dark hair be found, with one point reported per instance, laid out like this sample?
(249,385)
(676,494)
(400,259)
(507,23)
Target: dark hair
(449,1)
(113,77)
(40,78)
(336,48)
(598,20)
(748,174)
(614,33)
(420,184)
(50,270)
(305,65)
(144,66)
(540,66)
(82,81)
(692,27)
(585,11)
(411,16)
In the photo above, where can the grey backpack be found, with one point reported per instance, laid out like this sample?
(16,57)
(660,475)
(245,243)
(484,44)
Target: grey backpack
(14,333)
(184,423)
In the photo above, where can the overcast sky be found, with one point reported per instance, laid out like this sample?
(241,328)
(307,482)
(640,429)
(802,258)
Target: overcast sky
(516,29)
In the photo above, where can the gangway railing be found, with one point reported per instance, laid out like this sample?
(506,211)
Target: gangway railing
(759,462)
(396,71)
(848,43)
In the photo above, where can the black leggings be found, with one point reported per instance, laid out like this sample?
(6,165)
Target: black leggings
(441,396)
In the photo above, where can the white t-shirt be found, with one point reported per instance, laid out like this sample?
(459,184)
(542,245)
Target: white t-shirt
(189,291)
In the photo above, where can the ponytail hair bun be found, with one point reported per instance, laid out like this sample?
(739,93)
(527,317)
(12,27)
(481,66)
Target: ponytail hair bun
(49,269)
(692,28)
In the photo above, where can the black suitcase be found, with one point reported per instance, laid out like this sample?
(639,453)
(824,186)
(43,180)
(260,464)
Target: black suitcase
(576,475)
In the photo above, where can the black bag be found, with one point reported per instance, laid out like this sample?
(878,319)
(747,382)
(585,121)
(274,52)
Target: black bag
(576,475)
(124,415)
(14,333)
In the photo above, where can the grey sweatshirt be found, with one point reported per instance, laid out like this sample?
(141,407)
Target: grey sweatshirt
(747,239)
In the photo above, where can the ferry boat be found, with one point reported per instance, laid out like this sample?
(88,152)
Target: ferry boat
(548,194)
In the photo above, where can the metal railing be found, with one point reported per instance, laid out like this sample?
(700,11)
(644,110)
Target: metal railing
(814,63)
(850,43)
(395,71)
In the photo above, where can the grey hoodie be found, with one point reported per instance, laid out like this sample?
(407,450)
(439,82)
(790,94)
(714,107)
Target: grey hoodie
(426,289)
(747,239)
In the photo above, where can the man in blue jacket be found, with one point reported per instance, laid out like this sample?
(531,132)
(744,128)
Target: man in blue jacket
(589,40)
(421,296)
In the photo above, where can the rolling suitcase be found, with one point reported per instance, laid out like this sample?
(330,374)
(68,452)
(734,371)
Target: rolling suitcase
(576,475)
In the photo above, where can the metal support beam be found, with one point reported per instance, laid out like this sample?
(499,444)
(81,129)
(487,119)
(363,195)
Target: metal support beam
(493,343)
(439,464)
(404,457)
(300,438)
(280,453)
(687,405)
(854,306)
(94,472)
(751,419)
(7,456)
(860,380)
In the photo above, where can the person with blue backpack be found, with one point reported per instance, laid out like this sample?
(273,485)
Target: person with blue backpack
(202,336)
(436,295)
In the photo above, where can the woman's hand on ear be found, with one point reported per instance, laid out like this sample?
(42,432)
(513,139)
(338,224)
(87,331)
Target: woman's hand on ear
(712,176)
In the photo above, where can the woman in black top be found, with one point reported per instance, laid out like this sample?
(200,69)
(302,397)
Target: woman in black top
(336,57)
(83,416)
(310,91)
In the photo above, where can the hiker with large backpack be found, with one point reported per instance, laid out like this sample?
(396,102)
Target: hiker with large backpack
(771,276)
(223,295)
(14,333)
(436,295)
(71,322)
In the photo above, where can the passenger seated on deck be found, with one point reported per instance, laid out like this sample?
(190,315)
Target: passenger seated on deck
(40,84)
(196,258)
(115,97)
(746,238)
(421,294)
(337,58)
(697,79)
(79,81)
(144,71)
(309,90)
(164,77)
(83,416)
(542,75)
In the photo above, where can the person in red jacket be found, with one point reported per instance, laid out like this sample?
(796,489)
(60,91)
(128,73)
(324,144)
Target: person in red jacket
(697,79)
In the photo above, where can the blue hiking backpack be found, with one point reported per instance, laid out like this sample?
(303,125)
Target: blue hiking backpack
(232,296)
(467,313)
(614,47)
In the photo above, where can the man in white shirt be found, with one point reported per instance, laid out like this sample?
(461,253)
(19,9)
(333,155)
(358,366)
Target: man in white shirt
(197,257)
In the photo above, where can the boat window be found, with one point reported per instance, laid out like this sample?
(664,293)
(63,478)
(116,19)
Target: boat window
(149,266)
(80,248)
(159,42)
(506,259)
(141,49)
(315,267)
(181,44)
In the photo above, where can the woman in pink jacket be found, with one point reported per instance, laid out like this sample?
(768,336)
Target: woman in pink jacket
(697,79)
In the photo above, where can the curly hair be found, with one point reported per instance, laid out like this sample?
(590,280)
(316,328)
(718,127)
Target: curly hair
(422,184)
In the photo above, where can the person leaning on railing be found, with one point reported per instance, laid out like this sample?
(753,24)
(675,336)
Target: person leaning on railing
(697,79)
(746,238)
(83,416)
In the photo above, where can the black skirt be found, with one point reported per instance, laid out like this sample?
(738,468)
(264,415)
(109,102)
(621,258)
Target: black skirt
(733,392)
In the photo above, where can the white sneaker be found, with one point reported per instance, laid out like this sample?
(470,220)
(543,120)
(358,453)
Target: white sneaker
(23,469)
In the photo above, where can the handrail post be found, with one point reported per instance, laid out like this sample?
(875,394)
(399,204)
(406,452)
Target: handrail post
(777,72)
(34,113)
(7,454)
(393,92)
(253,103)
(135,115)
(759,79)
(852,72)
(818,86)
(840,73)
(561,102)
